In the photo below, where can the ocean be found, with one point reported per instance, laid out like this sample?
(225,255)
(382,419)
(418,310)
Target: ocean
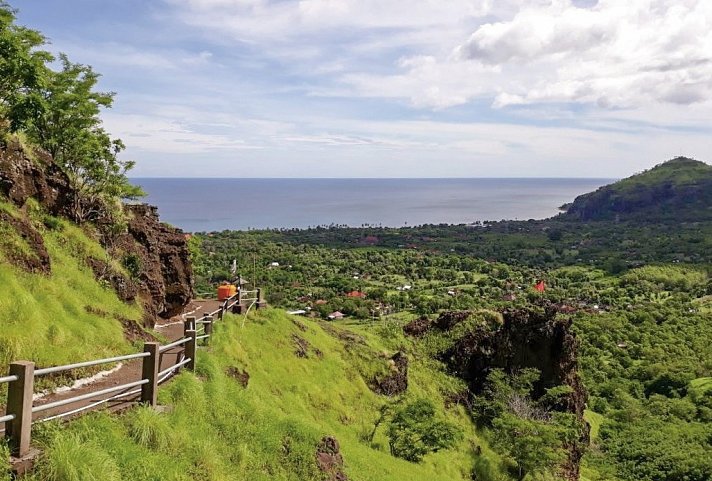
(205,205)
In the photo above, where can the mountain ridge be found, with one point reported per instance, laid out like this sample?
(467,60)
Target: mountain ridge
(680,189)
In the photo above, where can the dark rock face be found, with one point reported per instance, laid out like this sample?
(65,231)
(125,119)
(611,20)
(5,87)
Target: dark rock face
(448,320)
(166,277)
(526,339)
(126,289)
(417,327)
(23,177)
(329,459)
(397,381)
(37,260)
(165,282)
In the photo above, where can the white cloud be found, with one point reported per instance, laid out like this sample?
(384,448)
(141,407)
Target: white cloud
(153,134)
(615,54)
(611,53)
(425,87)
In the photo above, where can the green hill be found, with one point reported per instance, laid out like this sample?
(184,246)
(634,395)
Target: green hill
(61,314)
(679,189)
(265,394)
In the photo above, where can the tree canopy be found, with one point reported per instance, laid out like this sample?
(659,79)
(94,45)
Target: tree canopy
(59,111)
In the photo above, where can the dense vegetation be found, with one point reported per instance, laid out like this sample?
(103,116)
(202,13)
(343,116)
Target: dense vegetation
(58,111)
(644,328)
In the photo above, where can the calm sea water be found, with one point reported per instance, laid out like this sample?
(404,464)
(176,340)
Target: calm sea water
(198,205)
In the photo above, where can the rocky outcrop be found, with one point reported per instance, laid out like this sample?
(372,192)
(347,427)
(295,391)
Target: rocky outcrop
(32,255)
(417,327)
(396,381)
(526,339)
(26,175)
(165,276)
(448,320)
(329,459)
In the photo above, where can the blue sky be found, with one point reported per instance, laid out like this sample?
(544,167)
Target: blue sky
(395,88)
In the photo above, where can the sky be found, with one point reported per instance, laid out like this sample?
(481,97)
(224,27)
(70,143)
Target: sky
(395,88)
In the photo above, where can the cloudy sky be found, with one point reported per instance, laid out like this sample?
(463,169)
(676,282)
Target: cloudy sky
(395,88)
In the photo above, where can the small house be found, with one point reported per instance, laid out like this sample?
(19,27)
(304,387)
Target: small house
(336,315)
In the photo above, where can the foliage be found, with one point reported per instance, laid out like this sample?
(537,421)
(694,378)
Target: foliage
(661,450)
(523,429)
(534,446)
(22,69)
(59,112)
(415,431)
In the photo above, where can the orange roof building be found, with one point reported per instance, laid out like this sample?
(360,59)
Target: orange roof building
(356,294)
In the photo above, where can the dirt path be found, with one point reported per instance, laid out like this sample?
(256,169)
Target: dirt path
(128,372)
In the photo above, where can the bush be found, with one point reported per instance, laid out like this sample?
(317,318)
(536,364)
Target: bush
(415,432)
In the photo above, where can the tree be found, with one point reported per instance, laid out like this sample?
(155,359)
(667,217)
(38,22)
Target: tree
(66,123)
(59,112)
(534,446)
(527,431)
(22,69)
(415,431)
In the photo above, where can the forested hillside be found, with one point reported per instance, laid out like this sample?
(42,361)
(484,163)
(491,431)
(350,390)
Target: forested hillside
(679,189)
(640,310)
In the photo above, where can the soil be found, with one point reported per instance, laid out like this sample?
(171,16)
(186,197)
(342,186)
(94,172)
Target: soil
(241,376)
(329,459)
(417,327)
(38,261)
(303,348)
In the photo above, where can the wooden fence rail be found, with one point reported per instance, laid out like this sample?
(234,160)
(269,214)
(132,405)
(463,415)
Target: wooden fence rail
(20,406)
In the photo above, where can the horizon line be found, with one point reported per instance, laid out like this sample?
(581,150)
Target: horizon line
(371,178)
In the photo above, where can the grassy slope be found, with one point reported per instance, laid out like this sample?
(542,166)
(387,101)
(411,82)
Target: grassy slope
(44,318)
(218,430)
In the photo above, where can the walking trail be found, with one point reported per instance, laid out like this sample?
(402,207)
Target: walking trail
(126,372)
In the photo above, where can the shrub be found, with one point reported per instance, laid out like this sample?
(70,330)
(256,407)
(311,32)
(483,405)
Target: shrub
(415,432)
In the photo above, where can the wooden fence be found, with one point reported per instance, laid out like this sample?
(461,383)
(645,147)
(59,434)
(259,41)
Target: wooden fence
(21,412)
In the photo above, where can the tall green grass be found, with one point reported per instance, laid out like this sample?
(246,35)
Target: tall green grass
(51,319)
(216,429)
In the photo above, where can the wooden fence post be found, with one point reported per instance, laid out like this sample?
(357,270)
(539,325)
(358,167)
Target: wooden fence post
(237,308)
(189,323)
(19,403)
(190,349)
(208,330)
(260,300)
(150,370)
